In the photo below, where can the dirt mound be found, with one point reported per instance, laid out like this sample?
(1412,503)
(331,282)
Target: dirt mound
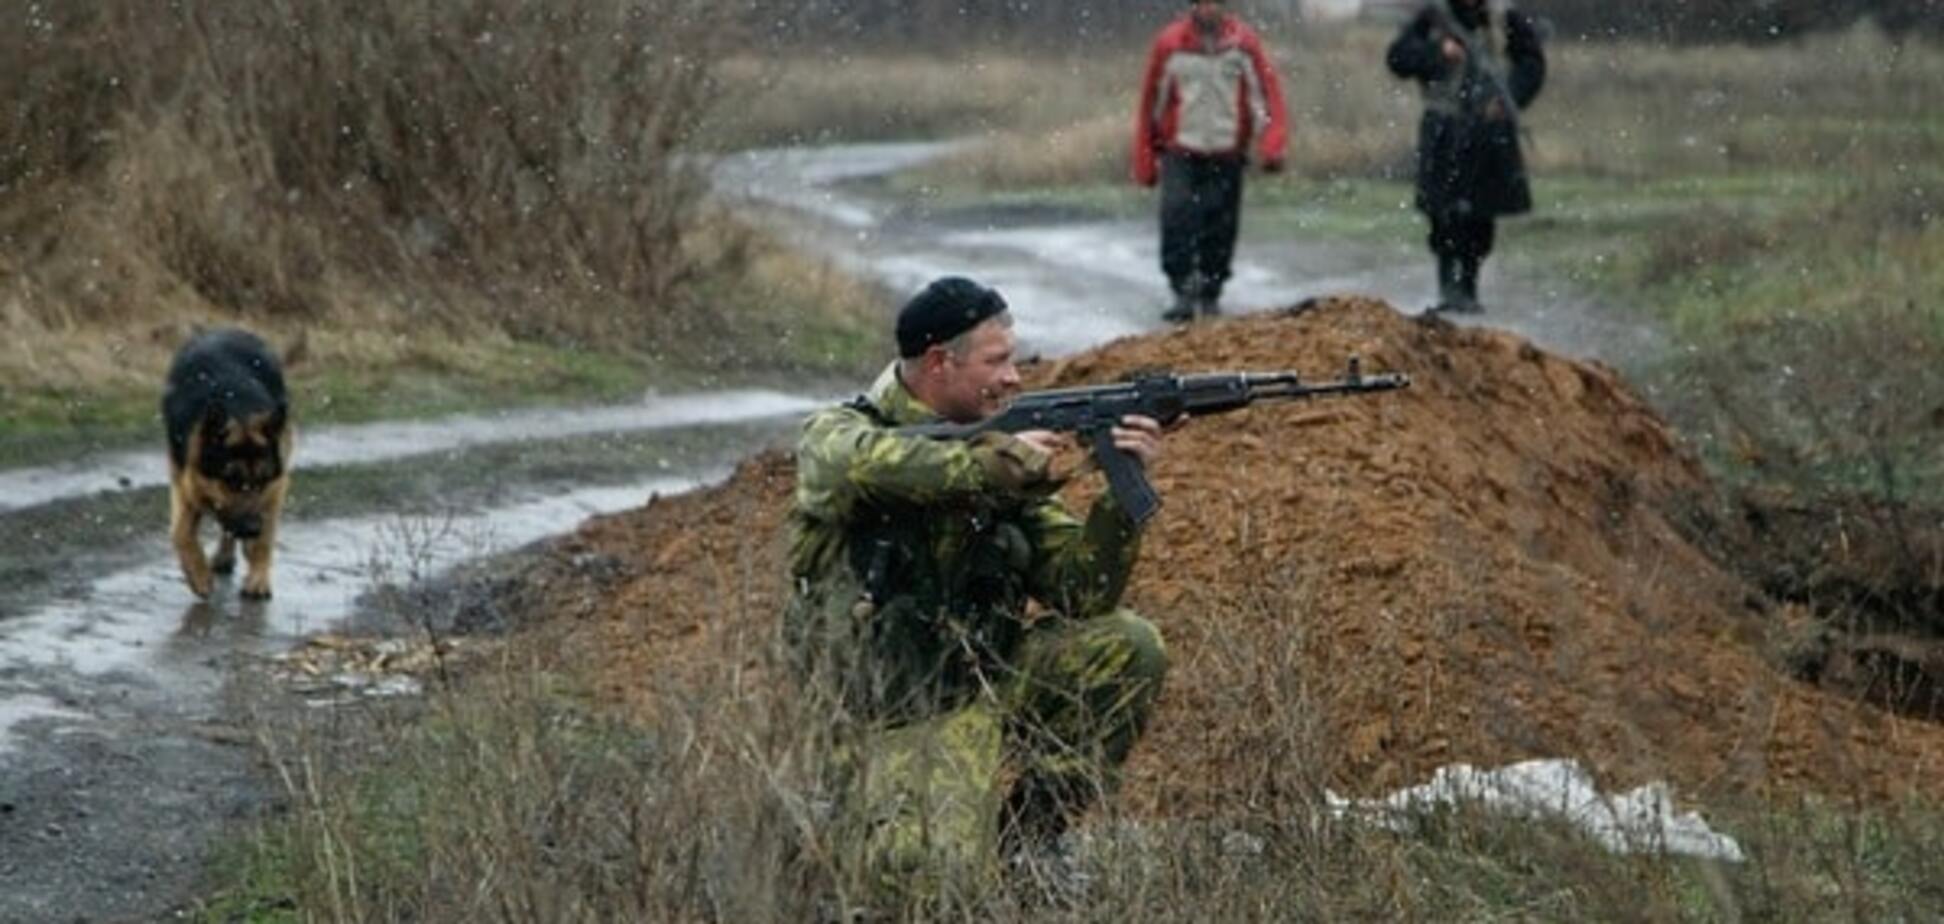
(1482,568)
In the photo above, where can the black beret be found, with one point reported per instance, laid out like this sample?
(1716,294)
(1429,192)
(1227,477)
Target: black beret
(945,309)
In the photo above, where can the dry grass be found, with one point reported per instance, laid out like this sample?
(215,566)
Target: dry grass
(480,169)
(1619,109)
(505,798)
(812,99)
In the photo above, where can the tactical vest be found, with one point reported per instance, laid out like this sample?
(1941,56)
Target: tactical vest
(936,601)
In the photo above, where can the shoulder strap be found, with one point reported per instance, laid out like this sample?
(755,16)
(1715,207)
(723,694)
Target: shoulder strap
(862,404)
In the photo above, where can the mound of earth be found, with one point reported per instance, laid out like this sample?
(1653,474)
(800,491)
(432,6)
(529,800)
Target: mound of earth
(1482,568)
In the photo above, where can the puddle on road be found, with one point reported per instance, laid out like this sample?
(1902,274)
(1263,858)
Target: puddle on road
(16,708)
(801,178)
(128,631)
(142,624)
(376,442)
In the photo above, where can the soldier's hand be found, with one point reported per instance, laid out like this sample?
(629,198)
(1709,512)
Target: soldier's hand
(1046,441)
(1452,49)
(1015,463)
(1139,436)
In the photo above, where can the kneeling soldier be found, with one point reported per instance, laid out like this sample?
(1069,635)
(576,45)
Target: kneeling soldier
(915,561)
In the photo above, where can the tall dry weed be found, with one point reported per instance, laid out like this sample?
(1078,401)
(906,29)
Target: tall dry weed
(258,155)
(1855,100)
(504,797)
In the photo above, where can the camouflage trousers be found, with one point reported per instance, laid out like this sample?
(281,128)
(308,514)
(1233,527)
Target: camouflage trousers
(923,803)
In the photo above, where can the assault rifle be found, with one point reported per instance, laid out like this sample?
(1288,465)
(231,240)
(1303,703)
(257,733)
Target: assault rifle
(1479,85)
(1093,411)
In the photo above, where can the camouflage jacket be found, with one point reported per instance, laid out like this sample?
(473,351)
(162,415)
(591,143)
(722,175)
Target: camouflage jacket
(914,559)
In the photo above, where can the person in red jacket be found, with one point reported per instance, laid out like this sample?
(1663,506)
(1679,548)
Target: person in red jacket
(1209,91)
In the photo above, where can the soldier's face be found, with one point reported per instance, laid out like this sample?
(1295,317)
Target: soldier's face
(1208,12)
(982,382)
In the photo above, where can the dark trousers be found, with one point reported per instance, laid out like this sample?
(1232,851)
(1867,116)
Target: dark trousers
(1201,209)
(1461,244)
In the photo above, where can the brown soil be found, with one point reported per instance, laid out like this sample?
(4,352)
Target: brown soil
(1481,568)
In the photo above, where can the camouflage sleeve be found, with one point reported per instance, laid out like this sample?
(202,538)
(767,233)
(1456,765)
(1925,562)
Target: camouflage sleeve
(844,458)
(1079,569)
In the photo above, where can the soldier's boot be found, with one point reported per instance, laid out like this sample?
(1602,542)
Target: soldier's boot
(1188,296)
(1032,817)
(1468,283)
(1038,849)
(1457,285)
(1182,311)
(1449,291)
(1209,304)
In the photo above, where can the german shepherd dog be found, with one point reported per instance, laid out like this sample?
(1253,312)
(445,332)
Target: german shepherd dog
(230,439)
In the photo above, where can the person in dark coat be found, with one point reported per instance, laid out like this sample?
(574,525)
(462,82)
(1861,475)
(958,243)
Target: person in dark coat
(1479,63)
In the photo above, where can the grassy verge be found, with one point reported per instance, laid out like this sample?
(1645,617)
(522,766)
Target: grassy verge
(100,391)
(1809,339)
(50,423)
(509,796)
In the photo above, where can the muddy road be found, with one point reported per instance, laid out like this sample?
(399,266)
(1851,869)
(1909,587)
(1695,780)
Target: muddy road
(121,762)
(1076,280)
(122,759)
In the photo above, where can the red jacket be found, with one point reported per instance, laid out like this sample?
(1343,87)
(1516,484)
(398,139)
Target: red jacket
(1208,100)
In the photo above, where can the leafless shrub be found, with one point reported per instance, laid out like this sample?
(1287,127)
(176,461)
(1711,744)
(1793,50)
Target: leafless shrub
(520,152)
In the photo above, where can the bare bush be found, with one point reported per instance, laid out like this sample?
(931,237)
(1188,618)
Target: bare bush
(265,151)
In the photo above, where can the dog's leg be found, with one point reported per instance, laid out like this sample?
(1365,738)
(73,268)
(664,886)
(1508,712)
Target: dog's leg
(225,561)
(256,585)
(184,516)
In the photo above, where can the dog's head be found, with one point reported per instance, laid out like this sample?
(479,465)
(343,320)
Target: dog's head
(238,459)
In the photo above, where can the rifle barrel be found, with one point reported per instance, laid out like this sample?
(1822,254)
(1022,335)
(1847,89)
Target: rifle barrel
(1289,387)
